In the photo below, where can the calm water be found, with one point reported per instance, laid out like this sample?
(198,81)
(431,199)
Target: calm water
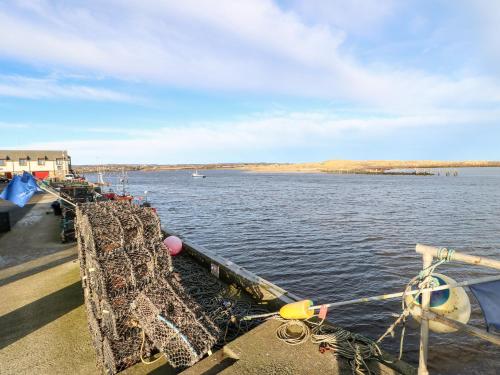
(337,237)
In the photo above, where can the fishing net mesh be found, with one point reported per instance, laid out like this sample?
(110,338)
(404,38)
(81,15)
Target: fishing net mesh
(175,323)
(121,354)
(223,304)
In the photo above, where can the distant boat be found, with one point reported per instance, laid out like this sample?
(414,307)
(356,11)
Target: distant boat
(100,178)
(197,175)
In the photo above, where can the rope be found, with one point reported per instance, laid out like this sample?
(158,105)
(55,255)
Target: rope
(355,348)
(293,332)
(142,351)
(423,280)
(444,255)
(449,254)
(179,334)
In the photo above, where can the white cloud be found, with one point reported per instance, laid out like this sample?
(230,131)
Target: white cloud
(228,45)
(354,16)
(484,18)
(44,88)
(256,135)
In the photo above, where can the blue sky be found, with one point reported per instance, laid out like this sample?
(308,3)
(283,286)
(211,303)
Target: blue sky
(146,81)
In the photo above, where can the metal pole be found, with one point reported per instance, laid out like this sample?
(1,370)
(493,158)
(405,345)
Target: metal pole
(383,297)
(56,195)
(458,257)
(424,324)
(472,331)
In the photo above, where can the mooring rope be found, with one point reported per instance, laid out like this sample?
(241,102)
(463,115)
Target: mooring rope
(401,319)
(444,255)
(355,348)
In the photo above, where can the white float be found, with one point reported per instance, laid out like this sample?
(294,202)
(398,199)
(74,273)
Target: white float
(451,303)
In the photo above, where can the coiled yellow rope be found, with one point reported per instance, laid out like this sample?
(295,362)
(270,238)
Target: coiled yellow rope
(293,332)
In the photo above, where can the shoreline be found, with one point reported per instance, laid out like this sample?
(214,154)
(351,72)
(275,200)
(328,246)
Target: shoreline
(376,167)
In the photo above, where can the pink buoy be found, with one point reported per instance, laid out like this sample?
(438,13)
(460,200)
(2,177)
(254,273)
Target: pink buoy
(174,245)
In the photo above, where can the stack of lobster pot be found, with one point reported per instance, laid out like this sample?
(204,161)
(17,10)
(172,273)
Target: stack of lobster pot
(125,266)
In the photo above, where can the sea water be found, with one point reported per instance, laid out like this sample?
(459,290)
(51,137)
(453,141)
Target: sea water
(332,237)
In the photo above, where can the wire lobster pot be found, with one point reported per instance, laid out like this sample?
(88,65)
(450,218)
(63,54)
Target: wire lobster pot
(176,325)
(127,276)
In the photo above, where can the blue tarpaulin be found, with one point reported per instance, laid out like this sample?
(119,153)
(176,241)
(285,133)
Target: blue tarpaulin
(20,190)
(488,295)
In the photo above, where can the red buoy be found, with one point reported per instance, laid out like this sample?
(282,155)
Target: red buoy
(174,245)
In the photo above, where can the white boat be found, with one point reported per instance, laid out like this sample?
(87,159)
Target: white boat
(100,177)
(197,175)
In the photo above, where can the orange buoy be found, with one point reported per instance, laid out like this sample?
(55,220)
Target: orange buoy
(297,310)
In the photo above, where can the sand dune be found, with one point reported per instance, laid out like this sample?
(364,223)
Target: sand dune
(368,165)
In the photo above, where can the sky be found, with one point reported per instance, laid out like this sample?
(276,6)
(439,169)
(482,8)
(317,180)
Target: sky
(197,81)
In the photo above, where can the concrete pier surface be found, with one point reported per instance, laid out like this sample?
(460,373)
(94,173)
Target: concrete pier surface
(42,319)
(43,322)
(34,232)
(259,352)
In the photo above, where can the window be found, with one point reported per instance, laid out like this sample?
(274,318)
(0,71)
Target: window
(23,162)
(41,161)
(59,161)
(2,161)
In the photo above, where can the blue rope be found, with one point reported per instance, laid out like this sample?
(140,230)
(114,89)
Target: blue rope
(181,335)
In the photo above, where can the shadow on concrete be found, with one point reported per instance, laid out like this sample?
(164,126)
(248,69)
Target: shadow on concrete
(222,365)
(37,269)
(164,369)
(16,213)
(21,322)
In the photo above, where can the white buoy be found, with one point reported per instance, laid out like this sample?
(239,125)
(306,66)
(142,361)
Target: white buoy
(451,303)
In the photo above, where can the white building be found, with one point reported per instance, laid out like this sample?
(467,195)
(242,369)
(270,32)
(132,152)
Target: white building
(41,163)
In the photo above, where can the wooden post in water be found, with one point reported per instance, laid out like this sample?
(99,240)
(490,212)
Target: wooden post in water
(424,324)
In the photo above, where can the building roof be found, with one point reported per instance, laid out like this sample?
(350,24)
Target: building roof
(32,154)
